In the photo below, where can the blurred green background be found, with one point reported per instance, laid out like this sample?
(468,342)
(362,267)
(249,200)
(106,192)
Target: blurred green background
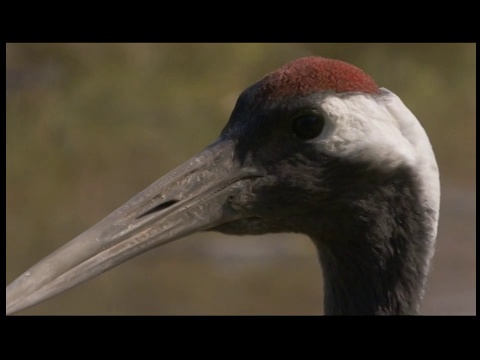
(90,125)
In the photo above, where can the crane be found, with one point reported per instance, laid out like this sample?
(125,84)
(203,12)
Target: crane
(314,147)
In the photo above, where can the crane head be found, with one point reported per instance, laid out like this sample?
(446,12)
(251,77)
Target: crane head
(305,148)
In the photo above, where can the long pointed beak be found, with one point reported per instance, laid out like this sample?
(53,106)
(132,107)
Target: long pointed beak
(191,198)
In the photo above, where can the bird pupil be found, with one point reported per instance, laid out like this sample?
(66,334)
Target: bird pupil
(308,126)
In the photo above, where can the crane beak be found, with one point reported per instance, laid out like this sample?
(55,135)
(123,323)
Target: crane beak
(191,198)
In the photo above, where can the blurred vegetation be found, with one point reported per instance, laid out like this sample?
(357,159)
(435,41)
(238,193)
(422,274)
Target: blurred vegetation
(89,125)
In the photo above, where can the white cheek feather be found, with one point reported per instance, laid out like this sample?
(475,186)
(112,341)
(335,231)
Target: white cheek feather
(362,128)
(384,132)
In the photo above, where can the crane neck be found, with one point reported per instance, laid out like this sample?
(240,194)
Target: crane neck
(378,263)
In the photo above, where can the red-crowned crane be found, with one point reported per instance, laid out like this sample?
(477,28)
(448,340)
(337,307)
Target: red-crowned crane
(315,147)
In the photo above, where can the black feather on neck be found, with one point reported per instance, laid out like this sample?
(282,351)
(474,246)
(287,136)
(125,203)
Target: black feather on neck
(377,264)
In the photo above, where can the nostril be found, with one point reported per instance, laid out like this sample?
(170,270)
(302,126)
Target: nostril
(159,207)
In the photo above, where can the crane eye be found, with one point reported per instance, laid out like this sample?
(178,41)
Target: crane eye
(307,127)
